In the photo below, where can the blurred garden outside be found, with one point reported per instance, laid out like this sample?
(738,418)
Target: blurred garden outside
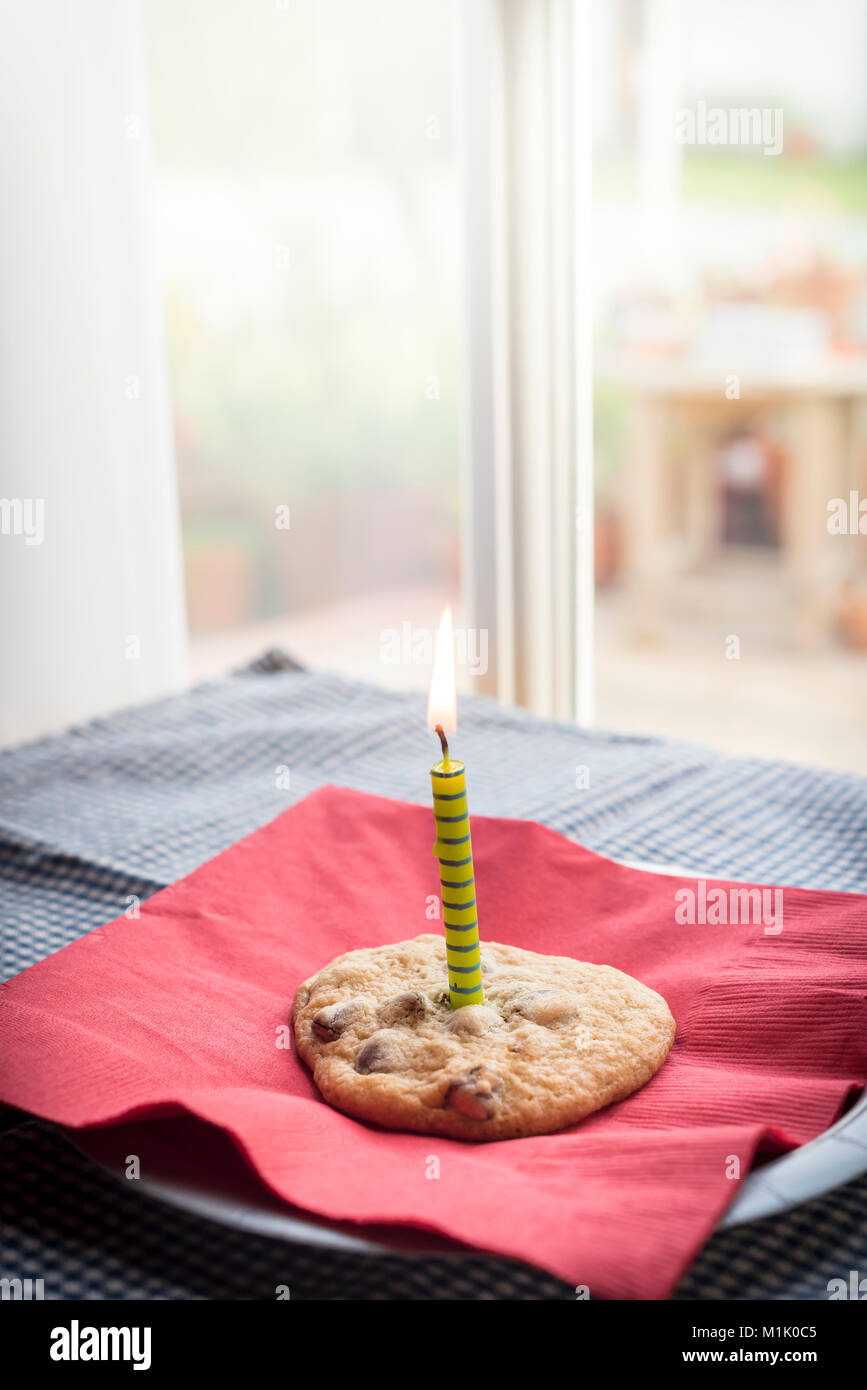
(312,268)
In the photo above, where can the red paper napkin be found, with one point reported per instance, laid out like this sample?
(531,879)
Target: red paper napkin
(184,1009)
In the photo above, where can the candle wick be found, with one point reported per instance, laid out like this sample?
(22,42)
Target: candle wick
(443,740)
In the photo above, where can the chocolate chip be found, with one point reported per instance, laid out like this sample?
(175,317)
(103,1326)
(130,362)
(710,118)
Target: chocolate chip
(329,1023)
(377,1054)
(403,1008)
(475,1095)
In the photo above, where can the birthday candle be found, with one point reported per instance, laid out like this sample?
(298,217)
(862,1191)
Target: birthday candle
(453,847)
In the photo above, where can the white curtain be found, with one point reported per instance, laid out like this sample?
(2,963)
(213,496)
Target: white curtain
(91,590)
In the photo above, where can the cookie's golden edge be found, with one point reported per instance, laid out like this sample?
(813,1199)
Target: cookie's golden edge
(448,1124)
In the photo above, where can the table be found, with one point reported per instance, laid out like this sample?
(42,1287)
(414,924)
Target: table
(128,804)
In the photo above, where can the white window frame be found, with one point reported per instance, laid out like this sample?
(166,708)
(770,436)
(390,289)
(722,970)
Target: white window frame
(528,478)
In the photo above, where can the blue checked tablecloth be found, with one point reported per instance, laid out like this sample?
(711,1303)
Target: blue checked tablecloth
(130,803)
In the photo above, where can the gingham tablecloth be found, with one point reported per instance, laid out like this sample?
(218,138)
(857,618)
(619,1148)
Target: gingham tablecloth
(128,804)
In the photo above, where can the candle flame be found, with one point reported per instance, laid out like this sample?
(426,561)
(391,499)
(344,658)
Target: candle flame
(442,705)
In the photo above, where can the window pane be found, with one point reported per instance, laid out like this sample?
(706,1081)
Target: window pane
(730,213)
(309,236)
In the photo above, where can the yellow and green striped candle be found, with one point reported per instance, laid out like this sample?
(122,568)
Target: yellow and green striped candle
(454,851)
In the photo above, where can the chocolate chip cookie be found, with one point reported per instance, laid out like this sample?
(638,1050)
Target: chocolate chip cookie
(555,1039)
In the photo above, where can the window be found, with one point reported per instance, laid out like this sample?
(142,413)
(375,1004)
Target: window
(343,188)
(309,245)
(730,228)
